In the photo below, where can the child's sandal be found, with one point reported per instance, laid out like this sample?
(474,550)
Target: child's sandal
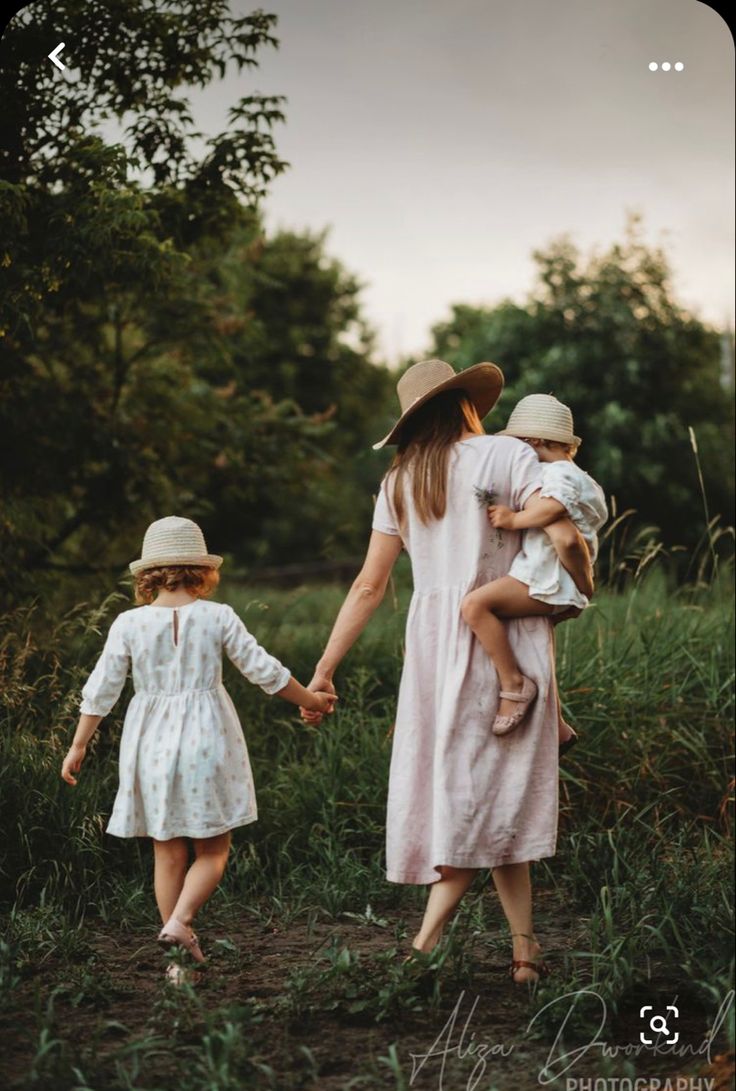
(503,724)
(176,934)
(568,744)
(179,975)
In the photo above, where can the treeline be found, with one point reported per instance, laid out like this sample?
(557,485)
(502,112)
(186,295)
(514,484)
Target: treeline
(161,354)
(649,384)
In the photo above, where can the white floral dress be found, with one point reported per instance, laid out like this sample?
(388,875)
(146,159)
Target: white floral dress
(184,766)
(538,564)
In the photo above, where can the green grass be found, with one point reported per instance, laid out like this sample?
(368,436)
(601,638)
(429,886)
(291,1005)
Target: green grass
(643,867)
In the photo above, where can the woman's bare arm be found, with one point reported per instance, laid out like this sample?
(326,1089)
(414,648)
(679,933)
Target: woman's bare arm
(361,601)
(573,553)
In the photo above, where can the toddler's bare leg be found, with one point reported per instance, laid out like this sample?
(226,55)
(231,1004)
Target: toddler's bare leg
(203,876)
(170,866)
(484,609)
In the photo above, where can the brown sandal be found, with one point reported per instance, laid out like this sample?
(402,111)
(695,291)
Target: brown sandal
(540,968)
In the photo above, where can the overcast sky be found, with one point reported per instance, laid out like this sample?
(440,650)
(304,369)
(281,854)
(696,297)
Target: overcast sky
(441,141)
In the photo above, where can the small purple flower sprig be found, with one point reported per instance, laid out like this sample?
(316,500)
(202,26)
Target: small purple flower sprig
(485,497)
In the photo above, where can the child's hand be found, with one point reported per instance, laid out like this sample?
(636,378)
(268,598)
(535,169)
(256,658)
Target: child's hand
(73,762)
(323,702)
(501,517)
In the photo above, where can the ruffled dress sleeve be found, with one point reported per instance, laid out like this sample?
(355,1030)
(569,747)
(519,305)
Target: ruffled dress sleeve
(105,683)
(583,497)
(253,661)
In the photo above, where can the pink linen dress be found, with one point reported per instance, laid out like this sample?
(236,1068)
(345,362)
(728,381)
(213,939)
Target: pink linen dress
(458,794)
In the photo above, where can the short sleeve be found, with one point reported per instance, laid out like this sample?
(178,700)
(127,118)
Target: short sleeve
(526,475)
(383,519)
(578,493)
(253,661)
(105,684)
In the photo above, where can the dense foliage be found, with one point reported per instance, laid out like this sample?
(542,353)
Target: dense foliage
(606,336)
(157,353)
(160,353)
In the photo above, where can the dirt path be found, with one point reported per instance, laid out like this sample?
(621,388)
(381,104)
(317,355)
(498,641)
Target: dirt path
(281,992)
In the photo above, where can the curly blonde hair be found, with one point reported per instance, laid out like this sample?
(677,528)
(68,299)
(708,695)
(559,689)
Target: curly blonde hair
(199,580)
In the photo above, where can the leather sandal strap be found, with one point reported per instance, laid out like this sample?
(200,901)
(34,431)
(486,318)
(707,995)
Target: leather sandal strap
(540,968)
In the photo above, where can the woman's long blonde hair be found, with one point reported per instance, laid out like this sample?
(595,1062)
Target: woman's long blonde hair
(424,451)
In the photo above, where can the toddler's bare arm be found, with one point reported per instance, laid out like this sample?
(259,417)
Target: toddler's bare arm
(538,512)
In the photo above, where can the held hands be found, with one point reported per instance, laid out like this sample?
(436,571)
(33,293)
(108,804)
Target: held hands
(501,517)
(325,703)
(323,689)
(73,762)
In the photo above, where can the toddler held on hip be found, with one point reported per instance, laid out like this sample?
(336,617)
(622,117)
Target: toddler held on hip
(538,582)
(185,773)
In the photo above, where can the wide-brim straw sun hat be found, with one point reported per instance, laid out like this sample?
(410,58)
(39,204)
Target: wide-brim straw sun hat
(482,383)
(174,540)
(541,416)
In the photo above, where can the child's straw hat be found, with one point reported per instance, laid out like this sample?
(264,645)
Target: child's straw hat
(540,416)
(482,383)
(174,540)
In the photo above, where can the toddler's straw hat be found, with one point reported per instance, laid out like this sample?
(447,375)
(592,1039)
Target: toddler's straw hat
(540,416)
(174,540)
(482,383)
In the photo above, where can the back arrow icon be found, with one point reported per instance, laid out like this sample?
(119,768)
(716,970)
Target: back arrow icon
(54,56)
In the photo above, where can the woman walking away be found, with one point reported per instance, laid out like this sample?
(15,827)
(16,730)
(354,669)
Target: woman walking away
(459,797)
(184,767)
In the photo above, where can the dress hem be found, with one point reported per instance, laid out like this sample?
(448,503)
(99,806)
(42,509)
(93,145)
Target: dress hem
(189,832)
(429,876)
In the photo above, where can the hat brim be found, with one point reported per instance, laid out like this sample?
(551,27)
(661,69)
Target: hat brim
(203,560)
(482,383)
(526,435)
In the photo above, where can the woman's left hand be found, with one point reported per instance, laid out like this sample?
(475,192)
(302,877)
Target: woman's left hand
(569,614)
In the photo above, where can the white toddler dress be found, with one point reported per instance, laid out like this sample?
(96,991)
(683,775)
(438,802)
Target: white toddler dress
(538,564)
(184,766)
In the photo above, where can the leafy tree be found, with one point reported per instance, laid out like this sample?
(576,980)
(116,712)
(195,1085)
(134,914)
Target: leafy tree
(110,319)
(606,336)
(297,340)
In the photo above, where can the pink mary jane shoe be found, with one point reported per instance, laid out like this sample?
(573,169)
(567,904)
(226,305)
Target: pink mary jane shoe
(503,724)
(176,934)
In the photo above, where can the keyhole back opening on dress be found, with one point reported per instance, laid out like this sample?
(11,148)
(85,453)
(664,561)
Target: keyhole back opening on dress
(175,627)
